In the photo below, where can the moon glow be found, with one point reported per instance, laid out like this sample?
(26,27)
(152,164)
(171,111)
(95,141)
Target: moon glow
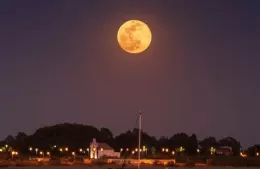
(134,36)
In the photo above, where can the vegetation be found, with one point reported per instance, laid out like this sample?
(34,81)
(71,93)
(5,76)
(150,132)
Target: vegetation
(77,136)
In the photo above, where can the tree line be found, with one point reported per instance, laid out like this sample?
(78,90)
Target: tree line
(77,136)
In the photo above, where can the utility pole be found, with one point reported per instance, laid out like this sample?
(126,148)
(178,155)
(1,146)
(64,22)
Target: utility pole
(139,138)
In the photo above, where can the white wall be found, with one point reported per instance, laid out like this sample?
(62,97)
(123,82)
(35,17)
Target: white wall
(108,153)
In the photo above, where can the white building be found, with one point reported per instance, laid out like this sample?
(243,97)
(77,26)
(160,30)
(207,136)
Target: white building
(104,150)
(98,150)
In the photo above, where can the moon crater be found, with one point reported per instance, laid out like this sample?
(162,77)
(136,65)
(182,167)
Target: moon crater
(134,36)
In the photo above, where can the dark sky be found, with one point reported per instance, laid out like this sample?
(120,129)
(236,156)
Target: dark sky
(60,62)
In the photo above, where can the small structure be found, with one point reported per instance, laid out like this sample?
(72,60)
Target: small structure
(98,150)
(227,151)
(104,150)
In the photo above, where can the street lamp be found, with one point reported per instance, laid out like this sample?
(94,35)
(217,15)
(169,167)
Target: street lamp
(61,151)
(36,151)
(14,153)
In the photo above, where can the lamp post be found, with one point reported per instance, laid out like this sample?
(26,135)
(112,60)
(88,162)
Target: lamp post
(36,151)
(73,154)
(13,154)
(48,154)
(139,138)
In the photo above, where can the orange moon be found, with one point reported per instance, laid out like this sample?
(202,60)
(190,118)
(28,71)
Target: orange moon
(134,36)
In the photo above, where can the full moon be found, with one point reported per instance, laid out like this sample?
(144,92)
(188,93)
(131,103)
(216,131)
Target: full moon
(134,36)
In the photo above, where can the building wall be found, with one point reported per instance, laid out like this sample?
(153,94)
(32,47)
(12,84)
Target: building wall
(108,153)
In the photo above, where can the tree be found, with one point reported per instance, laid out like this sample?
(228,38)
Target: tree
(106,134)
(179,140)
(207,143)
(231,142)
(192,144)
(252,150)
(163,142)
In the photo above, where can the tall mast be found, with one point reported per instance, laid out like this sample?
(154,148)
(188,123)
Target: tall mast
(139,138)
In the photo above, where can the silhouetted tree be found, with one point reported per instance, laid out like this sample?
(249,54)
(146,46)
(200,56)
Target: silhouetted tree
(207,143)
(252,150)
(77,136)
(231,142)
(192,144)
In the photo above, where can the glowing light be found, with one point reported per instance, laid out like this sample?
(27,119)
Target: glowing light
(134,36)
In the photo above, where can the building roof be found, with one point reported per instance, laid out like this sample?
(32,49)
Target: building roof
(104,146)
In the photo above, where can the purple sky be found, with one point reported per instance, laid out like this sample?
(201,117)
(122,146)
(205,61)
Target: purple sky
(60,62)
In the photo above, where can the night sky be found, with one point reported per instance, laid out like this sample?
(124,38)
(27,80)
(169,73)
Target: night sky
(60,62)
